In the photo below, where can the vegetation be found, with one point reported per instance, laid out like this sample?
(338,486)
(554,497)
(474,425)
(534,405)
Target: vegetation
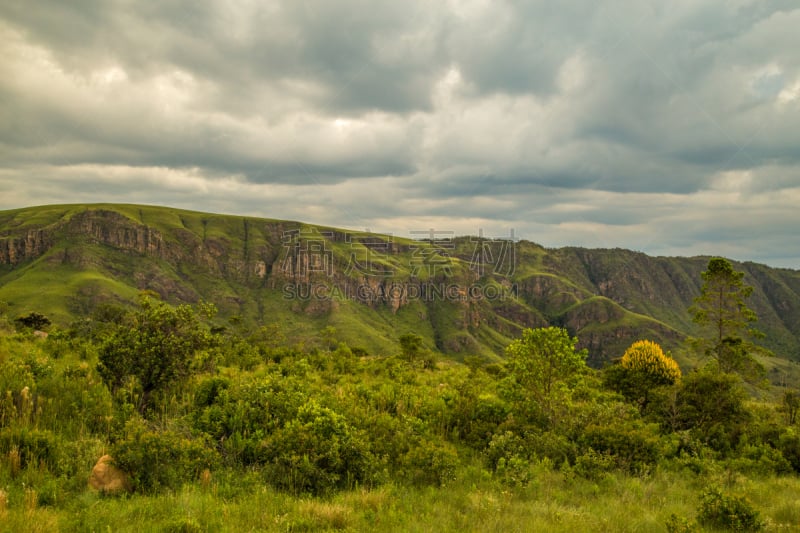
(33,321)
(643,370)
(721,310)
(540,364)
(734,513)
(219,424)
(283,438)
(153,350)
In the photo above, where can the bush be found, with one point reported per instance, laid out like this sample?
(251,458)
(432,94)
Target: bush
(789,445)
(721,511)
(156,347)
(593,465)
(317,452)
(37,448)
(477,418)
(630,448)
(156,460)
(33,321)
(239,418)
(678,524)
(505,447)
(430,463)
(761,459)
(712,407)
(515,472)
(208,391)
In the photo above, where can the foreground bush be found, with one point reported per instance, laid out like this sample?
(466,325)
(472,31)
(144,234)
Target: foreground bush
(722,511)
(156,460)
(317,453)
(22,447)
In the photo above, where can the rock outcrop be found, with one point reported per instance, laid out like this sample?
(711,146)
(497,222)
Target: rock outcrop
(107,478)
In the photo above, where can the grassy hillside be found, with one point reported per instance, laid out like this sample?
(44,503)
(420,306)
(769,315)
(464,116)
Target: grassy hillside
(463,296)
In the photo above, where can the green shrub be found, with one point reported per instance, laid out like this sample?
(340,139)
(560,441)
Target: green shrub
(789,445)
(551,445)
(32,321)
(156,460)
(208,391)
(593,465)
(32,447)
(505,447)
(391,438)
(430,462)
(712,407)
(240,418)
(514,472)
(631,448)
(476,419)
(761,459)
(679,524)
(317,452)
(721,511)
(155,346)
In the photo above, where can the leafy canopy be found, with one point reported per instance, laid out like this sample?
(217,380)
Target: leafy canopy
(34,320)
(542,357)
(725,318)
(647,361)
(643,367)
(154,346)
(539,363)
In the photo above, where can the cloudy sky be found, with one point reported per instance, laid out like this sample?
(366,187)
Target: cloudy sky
(667,127)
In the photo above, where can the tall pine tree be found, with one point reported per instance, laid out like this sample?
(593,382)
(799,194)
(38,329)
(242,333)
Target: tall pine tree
(725,318)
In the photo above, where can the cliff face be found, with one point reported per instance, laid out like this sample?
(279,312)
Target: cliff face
(18,249)
(262,268)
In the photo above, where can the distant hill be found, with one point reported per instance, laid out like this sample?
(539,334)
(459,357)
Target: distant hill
(465,296)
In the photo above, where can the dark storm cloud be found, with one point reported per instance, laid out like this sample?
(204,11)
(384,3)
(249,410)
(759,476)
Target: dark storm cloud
(647,125)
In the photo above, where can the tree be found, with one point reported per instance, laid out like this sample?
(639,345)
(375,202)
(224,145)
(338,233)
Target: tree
(712,407)
(411,345)
(721,311)
(643,367)
(34,320)
(154,346)
(539,360)
(414,351)
(790,405)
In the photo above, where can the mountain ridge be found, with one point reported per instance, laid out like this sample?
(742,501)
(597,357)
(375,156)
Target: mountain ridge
(461,294)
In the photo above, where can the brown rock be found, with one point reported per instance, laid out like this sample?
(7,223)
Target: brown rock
(107,478)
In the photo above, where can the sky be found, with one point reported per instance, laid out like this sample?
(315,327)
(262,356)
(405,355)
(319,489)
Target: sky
(672,128)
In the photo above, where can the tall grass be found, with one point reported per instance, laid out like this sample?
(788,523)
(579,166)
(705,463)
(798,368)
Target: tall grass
(554,502)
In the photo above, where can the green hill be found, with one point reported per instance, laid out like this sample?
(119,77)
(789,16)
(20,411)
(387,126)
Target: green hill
(465,296)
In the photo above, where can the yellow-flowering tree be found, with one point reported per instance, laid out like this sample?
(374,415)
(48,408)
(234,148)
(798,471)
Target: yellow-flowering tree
(647,358)
(643,367)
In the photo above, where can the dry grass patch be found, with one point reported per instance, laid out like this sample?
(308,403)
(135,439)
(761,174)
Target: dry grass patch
(325,515)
